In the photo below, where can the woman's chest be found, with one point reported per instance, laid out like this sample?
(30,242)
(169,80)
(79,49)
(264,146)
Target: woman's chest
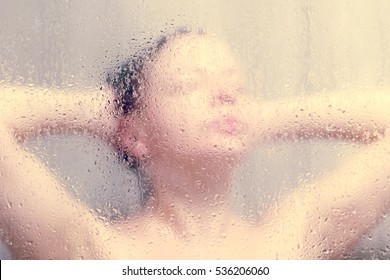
(160,242)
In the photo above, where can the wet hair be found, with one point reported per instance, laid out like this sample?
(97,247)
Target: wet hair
(126,79)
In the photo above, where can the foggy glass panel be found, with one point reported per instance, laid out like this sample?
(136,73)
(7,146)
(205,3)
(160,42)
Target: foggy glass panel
(292,48)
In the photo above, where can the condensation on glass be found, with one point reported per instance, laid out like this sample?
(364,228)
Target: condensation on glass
(288,48)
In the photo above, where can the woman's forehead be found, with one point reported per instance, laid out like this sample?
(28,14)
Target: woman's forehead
(196,53)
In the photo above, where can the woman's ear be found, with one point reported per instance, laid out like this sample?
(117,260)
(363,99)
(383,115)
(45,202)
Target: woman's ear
(140,150)
(130,138)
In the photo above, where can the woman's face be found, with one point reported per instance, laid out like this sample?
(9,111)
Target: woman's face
(195,104)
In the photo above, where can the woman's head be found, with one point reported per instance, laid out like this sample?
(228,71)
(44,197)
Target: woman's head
(184,100)
(127,80)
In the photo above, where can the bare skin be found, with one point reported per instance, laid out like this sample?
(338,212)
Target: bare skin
(198,125)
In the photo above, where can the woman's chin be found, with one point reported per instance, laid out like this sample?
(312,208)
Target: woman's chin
(232,152)
(230,145)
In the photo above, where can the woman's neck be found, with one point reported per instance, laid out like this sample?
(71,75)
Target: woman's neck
(191,197)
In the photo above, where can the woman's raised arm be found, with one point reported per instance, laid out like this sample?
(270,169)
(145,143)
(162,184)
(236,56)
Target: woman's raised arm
(29,111)
(38,218)
(352,115)
(324,219)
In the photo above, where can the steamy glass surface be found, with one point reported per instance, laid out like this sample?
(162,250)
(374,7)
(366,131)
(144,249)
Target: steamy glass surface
(289,48)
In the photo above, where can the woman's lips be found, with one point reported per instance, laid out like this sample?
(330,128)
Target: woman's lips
(228,125)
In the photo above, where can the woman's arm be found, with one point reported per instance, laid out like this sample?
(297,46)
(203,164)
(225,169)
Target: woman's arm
(352,115)
(324,219)
(38,218)
(29,111)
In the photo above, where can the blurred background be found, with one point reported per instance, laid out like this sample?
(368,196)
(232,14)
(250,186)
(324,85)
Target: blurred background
(288,47)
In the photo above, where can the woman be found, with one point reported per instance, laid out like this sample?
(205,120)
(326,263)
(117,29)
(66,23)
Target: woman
(186,121)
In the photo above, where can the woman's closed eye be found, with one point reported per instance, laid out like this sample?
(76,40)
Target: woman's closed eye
(239,90)
(186,86)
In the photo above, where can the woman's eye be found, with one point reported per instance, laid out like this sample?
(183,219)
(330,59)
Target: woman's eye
(193,85)
(239,90)
(189,86)
(185,87)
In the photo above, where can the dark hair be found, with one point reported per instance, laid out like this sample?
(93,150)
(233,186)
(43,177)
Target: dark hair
(126,79)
